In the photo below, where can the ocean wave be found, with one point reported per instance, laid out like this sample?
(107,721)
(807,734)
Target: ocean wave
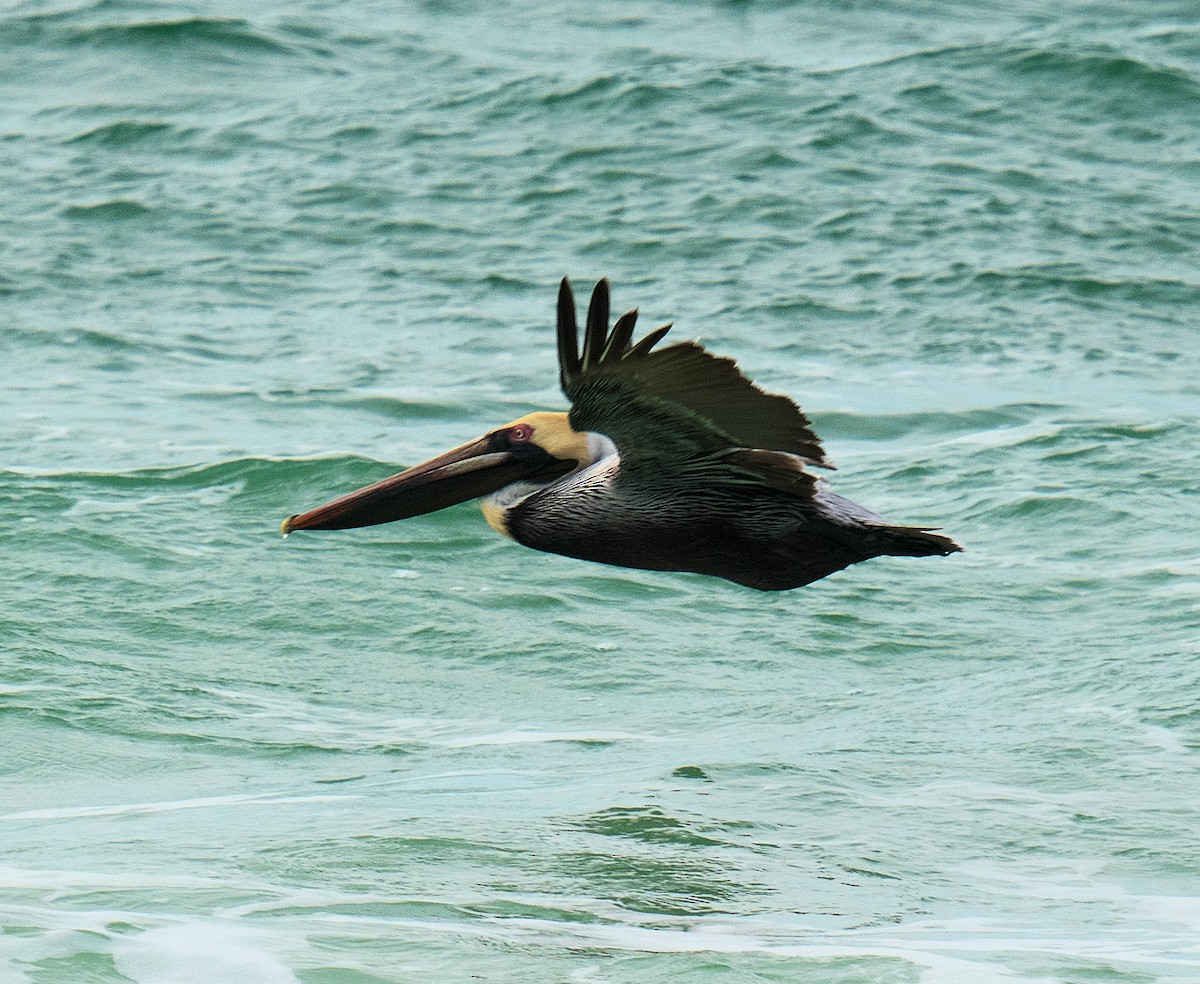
(108,342)
(405,405)
(251,476)
(358,195)
(857,131)
(119,210)
(128,133)
(125,809)
(1104,72)
(889,426)
(1095,64)
(1072,280)
(193,34)
(653,825)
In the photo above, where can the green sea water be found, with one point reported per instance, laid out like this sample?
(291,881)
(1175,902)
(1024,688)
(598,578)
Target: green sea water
(254,256)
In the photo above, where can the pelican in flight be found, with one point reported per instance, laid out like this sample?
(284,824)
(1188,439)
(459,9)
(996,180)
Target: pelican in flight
(668,460)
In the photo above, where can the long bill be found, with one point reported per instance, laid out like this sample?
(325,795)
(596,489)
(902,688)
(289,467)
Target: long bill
(467,472)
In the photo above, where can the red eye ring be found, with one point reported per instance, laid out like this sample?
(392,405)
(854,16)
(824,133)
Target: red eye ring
(520,433)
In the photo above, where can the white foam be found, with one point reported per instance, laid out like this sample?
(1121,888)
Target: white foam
(54,880)
(10,974)
(200,953)
(119,809)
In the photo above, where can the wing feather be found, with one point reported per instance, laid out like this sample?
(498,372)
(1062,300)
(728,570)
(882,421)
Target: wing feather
(568,334)
(670,405)
(596,333)
(622,334)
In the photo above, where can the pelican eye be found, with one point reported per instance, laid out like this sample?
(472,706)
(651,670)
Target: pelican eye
(520,434)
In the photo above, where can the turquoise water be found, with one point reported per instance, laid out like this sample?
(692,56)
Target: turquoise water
(253,260)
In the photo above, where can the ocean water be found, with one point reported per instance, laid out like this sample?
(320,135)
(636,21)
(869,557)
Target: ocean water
(253,256)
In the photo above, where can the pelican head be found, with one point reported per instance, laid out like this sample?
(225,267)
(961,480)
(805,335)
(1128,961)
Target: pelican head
(529,453)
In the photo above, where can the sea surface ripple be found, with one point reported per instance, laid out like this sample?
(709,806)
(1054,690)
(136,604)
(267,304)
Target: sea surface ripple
(254,257)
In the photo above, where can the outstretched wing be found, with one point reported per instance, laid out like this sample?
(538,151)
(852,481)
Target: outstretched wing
(672,406)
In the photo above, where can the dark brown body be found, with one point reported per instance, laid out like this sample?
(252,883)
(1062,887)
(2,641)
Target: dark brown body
(761,537)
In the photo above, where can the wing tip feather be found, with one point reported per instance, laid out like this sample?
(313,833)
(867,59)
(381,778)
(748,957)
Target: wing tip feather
(568,334)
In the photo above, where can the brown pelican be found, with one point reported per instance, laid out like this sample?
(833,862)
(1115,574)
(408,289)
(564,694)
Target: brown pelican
(669,460)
